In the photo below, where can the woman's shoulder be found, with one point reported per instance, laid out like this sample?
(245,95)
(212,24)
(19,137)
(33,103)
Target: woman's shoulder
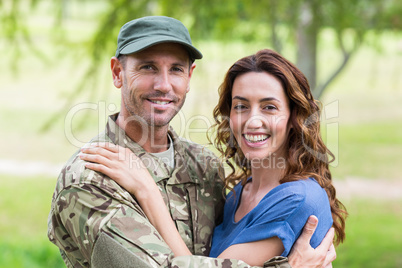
(304,192)
(303,187)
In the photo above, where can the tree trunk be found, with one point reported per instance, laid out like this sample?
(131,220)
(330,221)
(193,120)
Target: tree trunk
(274,22)
(307,37)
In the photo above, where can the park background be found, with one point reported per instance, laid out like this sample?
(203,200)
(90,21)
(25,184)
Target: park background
(56,93)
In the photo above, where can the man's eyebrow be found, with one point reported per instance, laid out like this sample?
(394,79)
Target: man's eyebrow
(152,62)
(179,64)
(146,62)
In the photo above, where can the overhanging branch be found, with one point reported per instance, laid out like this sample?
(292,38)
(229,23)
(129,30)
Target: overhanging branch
(346,57)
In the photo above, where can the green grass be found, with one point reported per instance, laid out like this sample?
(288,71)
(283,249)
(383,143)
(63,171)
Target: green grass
(24,206)
(32,254)
(373,235)
(369,150)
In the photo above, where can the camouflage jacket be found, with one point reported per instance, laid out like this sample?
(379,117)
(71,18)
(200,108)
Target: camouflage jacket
(96,223)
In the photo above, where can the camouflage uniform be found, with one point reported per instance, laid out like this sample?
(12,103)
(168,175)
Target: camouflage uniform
(96,223)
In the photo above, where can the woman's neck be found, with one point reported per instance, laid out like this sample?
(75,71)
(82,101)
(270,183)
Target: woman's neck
(265,179)
(267,174)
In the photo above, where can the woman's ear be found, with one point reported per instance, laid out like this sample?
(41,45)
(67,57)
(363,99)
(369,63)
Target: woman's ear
(117,72)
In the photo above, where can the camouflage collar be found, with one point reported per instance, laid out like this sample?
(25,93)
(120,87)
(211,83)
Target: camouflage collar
(156,167)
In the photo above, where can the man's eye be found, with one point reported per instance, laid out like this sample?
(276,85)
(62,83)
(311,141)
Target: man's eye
(146,67)
(177,69)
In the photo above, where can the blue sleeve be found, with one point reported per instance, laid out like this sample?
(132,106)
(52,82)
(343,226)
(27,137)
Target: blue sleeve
(284,211)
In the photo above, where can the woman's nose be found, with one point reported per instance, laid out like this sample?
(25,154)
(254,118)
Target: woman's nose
(254,122)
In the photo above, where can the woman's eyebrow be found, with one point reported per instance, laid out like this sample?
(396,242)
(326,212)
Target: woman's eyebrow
(239,98)
(270,99)
(261,100)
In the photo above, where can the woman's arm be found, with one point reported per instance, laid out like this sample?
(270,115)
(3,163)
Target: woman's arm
(118,163)
(254,253)
(115,162)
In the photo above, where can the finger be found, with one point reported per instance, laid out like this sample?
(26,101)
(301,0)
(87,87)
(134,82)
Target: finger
(112,147)
(108,146)
(327,241)
(119,152)
(99,168)
(99,151)
(309,229)
(96,158)
(331,256)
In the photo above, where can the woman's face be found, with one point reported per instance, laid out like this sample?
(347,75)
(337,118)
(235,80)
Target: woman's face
(259,116)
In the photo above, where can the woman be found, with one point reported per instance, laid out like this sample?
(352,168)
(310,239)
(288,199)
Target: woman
(268,126)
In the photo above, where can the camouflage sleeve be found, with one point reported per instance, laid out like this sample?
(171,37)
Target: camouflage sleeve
(199,261)
(83,212)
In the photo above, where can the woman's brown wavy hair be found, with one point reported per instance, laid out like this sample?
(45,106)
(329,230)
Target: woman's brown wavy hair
(307,155)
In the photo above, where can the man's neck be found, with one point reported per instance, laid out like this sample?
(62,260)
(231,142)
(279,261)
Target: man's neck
(152,139)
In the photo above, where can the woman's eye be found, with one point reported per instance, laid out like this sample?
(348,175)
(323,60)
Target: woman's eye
(239,107)
(270,107)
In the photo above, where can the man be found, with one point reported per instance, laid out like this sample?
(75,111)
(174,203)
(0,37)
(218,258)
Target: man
(95,222)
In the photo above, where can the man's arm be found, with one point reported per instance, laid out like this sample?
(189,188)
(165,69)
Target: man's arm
(109,253)
(82,213)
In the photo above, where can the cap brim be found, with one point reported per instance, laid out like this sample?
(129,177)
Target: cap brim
(146,42)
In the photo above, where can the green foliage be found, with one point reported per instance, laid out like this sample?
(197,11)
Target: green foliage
(16,31)
(274,22)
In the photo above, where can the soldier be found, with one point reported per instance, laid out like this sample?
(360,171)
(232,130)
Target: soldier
(97,223)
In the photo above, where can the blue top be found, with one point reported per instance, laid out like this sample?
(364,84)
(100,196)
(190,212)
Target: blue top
(282,212)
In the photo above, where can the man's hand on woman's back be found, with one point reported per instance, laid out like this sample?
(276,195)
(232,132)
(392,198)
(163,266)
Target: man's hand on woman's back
(303,255)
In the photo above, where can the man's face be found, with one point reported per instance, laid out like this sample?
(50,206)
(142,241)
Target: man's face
(155,82)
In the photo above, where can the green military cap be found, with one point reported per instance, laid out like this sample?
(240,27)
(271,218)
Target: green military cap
(145,32)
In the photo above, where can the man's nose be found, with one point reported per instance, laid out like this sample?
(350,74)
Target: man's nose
(162,82)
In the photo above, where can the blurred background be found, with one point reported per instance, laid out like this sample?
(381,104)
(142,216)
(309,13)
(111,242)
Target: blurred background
(57,91)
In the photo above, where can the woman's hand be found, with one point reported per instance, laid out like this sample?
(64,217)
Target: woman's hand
(121,165)
(124,167)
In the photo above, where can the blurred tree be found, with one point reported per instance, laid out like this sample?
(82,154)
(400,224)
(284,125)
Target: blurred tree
(275,22)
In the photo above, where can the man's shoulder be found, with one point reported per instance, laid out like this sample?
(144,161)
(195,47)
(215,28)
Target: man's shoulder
(74,172)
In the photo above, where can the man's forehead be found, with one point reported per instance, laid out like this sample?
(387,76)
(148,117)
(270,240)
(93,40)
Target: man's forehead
(164,49)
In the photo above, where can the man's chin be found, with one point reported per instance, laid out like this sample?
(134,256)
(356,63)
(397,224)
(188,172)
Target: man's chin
(159,122)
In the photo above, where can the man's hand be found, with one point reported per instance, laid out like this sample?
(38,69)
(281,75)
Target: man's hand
(303,255)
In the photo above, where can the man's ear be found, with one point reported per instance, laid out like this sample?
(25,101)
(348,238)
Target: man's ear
(190,75)
(117,72)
